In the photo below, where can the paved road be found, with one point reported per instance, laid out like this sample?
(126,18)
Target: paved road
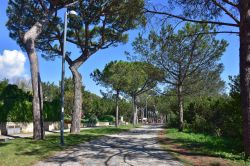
(138,147)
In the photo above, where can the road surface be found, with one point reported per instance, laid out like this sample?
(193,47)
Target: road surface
(138,147)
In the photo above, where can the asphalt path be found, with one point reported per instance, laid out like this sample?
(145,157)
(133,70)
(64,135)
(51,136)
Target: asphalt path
(137,147)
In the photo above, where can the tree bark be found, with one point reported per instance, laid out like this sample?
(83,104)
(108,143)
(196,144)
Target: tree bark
(245,72)
(136,114)
(180,107)
(76,115)
(40,91)
(29,43)
(135,111)
(117,110)
(142,115)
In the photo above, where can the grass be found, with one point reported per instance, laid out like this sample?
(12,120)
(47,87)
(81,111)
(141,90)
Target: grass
(193,144)
(25,151)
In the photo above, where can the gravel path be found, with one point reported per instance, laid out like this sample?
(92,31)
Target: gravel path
(138,147)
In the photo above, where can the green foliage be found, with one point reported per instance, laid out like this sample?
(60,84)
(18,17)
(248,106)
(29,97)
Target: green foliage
(202,9)
(52,95)
(132,78)
(107,118)
(92,105)
(92,120)
(52,110)
(69,95)
(125,110)
(113,75)
(215,115)
(15,104)
(50,91)
(95,105)
(188,59)
(23,14)
(219,115)
(229,148)
(98,25)
(140,77)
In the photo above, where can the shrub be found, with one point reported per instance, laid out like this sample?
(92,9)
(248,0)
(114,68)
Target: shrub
(15,105)
(90,121)
(52,111)
(172,120)
(107,118)
(220,116)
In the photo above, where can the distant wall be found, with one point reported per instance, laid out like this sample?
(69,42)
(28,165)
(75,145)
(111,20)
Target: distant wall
(28,127)
(102,124)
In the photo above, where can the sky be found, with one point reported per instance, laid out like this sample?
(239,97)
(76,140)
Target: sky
(14,62)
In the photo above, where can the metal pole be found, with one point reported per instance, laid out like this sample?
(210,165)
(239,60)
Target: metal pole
(62,81)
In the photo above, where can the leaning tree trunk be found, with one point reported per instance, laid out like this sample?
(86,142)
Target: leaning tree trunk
(29,43)
(180,107)
(77,109)
(117,110)
(245,71)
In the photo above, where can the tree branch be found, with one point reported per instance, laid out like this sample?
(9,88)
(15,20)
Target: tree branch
(231,3)
(192,20)
(226,11)
(69,61)
(43,5)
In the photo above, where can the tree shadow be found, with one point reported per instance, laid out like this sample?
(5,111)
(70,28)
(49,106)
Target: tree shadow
(2,144)
(109,149)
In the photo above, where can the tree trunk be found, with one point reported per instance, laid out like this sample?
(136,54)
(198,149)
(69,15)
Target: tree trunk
(36,102)
(117,110)
(29,43)
(180,107)
(136,114)
(245,71)
(142,115)
(135,111)
(77,110)
(40,91)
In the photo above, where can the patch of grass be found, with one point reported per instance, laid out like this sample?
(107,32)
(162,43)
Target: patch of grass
(25,151)
(205,145)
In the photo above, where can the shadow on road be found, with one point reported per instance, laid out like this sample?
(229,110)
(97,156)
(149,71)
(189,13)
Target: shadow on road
(137,147)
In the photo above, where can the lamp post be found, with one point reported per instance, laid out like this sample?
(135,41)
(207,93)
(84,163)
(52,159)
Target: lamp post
(63,74)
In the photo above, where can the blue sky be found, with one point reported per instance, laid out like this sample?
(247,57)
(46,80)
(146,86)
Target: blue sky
(51,70)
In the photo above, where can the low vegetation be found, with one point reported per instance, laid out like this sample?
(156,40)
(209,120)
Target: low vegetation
(196,149)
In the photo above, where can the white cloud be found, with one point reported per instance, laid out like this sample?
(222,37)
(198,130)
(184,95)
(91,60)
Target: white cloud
(12,64)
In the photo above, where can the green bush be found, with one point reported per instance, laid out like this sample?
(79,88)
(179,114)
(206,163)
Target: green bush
(172,119)
(220,116)
(93,119)
(107,118)
(52,111)
(15,104)
(90,121)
